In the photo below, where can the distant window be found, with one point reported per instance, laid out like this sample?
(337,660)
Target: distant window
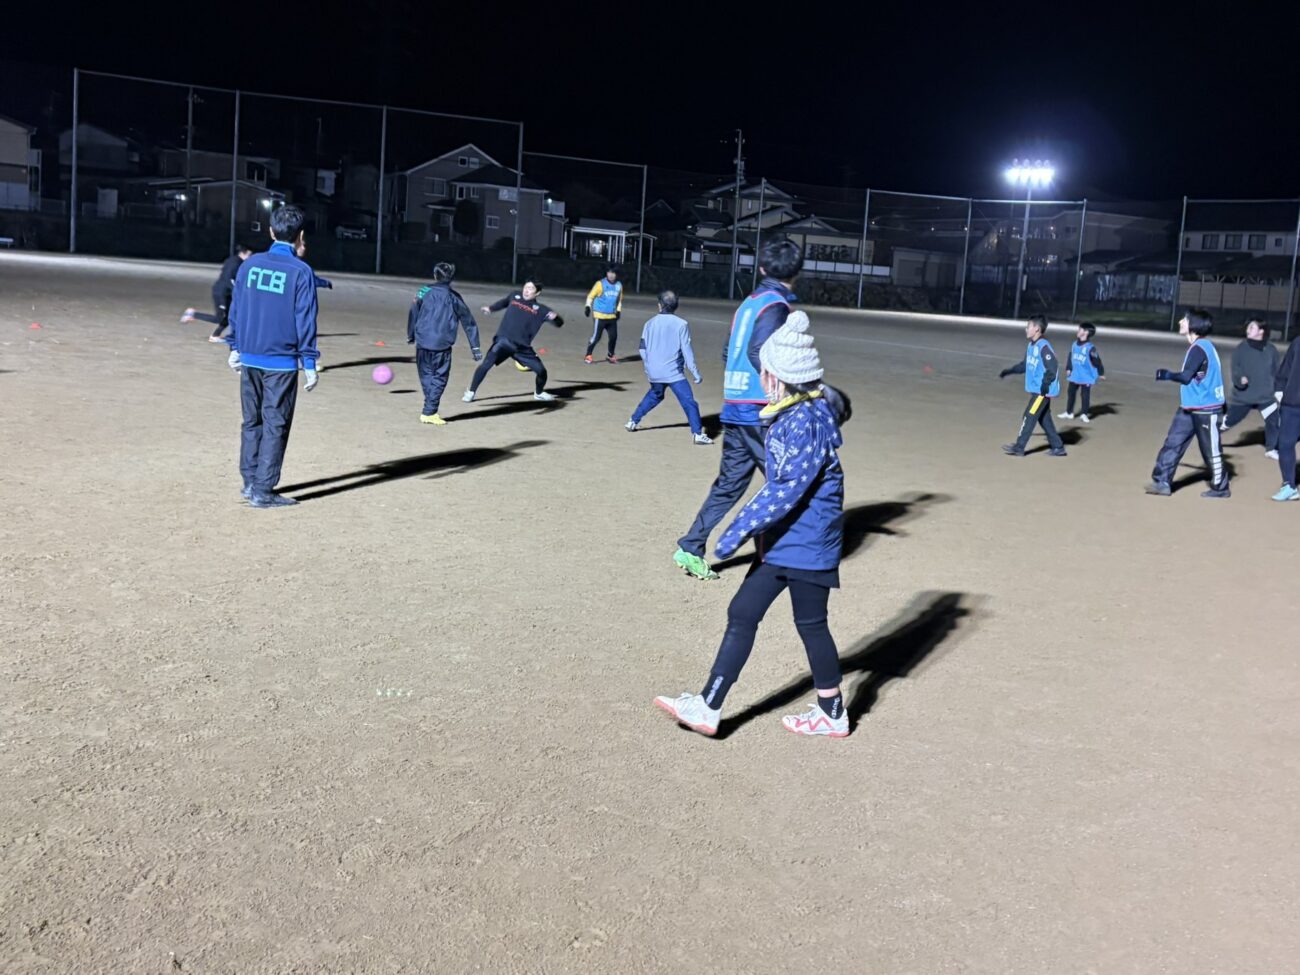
(434,186)
(473,191)
(1209,242)
(1232,242)
(508,194)
(462,161)
(444,220)
(1277,241)
(493,223)
(1187,242)
(1256,242)
(473,160)
(460,192)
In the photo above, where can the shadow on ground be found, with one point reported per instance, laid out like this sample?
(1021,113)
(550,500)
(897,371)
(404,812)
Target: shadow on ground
(898,651)
(435,465)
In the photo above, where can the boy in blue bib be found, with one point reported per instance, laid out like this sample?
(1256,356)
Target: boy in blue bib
(1042,382)
(1083,369)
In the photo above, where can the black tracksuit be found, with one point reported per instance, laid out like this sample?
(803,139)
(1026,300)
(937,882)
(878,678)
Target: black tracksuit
(522,321)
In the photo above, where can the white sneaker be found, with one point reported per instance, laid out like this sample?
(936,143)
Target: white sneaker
(691,711)
(1085,418)
(544,397)
(1065,416)
(815,721)
(702,438)
(468,397)
(630,426)
(1271,454)
(188,316)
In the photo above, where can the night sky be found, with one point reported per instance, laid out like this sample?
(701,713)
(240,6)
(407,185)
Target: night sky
(1129,103)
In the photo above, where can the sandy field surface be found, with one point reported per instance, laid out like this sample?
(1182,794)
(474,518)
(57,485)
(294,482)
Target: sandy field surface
(406,725)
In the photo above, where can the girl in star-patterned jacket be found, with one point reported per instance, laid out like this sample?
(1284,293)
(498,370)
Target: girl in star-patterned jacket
(795,521)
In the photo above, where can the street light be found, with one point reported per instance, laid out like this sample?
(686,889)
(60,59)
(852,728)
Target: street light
(1027,173)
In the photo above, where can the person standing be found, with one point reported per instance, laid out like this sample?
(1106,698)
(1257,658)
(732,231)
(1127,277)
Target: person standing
(667,355)
(1042,382)
(1200,405)
(431,328)
(1083,370)
(605,306)
(1286,393)
(272,331)
(762,313)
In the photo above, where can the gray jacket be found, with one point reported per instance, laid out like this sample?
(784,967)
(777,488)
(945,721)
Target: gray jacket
(666,350)
(1259,366)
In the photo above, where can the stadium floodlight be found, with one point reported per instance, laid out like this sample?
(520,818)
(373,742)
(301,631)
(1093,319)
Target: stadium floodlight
(1029,173)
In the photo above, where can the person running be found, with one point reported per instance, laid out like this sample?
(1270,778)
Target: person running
(1254,366)
(522,320)
(222,290)
(1200,405)
(1042,382)
(605,305)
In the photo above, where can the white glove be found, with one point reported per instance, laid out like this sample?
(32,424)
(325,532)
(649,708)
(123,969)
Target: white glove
(698,380)
(312,378)
(1278,396)
(233,361)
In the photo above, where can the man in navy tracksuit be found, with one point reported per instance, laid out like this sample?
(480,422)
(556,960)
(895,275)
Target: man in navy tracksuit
(758,316)
(1042,382)
(1286,385)
(431,328)
(1200,406)
(272,330)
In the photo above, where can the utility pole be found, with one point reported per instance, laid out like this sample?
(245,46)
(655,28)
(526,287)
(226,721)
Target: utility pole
(189,149)
(735,216)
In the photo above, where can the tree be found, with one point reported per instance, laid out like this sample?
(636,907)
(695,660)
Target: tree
(465,220)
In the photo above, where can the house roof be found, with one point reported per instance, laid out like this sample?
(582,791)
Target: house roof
(467,149)
(22,125)
(750,191)
(495,176)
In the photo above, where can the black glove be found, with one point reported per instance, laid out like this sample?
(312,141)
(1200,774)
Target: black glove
(325,283)
(617,315)
(1004,373)
(1162,375)
(587,310)
(558,321)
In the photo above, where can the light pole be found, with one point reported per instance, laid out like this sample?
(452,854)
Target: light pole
(1027,173)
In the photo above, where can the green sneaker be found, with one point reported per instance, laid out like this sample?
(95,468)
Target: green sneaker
(694,565)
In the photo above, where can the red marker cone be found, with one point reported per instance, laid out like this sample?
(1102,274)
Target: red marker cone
(380,342)
(34,325)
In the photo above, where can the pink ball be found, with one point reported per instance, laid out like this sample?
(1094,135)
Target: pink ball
(382,375)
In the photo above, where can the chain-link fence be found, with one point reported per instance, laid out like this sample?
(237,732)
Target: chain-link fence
(127,166)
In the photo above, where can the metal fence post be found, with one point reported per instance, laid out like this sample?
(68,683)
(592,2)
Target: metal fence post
(1290,295)
(1178,269)
(1024,245)
(379,218)
(234,176)
(1078,264)
(640,241)
(758,223)
(76,111)
(965,257)
(519,203)
(862,251)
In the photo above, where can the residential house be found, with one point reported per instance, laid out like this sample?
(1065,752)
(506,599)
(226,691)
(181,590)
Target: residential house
(20,167)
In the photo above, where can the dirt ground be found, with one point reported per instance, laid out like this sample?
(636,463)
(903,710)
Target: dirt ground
(406,725)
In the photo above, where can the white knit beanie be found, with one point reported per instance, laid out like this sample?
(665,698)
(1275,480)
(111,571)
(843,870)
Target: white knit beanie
(789,354)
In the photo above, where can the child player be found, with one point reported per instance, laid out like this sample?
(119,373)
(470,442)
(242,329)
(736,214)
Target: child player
(1042,382)
(1083,369)
(1200,406)
(666,354)
(222,290)
(795,520)
(431,328)
(522,320)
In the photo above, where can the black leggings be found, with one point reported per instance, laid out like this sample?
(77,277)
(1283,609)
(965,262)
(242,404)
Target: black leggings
(750,604)
(599,325)
(501,351)
(1085,390)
